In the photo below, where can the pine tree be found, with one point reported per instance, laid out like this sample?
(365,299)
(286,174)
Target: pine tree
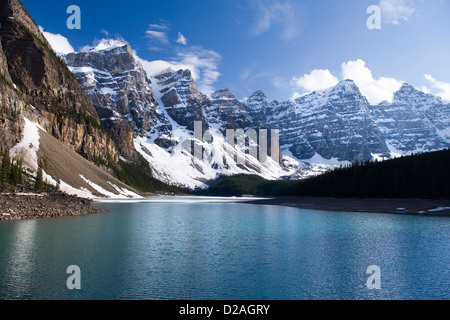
(39,182)
(5,170)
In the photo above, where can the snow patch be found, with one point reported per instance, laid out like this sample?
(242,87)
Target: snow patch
(27,148)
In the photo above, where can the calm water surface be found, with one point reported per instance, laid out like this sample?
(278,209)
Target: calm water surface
(225,251)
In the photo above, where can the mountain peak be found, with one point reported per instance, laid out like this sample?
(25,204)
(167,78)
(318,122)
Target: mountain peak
(223,93)
(406,87)
(347,84)
(258,94)
(107,45)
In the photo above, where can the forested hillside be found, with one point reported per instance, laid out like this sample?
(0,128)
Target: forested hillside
(424,176)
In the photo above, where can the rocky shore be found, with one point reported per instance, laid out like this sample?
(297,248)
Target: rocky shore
(16,206)
(425,207)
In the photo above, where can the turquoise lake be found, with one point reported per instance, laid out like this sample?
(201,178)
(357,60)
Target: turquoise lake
(233,251)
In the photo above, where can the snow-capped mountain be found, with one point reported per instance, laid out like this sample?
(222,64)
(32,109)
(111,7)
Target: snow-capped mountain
(157,114)
(414,122)
(119,90)
(334,123)
(168,117)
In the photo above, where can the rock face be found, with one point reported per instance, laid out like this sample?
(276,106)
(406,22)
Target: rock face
(337,124)
(226,112)
(181,98)
(414,121)
(333,123)
(119,90)
(43,87)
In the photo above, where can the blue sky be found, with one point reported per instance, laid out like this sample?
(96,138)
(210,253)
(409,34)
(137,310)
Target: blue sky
(284,47)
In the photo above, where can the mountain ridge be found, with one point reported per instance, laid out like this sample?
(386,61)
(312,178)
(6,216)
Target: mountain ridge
(319,130)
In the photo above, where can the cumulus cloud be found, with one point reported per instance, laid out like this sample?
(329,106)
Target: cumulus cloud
(318,79)
(181,39)
(277,13)
(396,11)
(59,43)
(443,87)
(375,90)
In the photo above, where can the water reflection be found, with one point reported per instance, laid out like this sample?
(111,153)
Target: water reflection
(225,251)
(20,259)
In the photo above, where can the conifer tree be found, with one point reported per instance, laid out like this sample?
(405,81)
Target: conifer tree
(39,182)
(5,170)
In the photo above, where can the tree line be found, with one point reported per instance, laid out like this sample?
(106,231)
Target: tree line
(425,176)
(11,173)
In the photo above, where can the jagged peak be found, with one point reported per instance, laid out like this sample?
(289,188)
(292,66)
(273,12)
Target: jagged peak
(223,93)
(258,94)
(106,45)
(347,84)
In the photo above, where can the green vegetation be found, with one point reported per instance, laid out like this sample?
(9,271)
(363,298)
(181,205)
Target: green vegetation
(39,181)
(138,174)
(425,176)
(78,115)
(11,173)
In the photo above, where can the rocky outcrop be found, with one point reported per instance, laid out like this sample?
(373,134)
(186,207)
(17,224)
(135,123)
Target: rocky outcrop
(119,90)
(44,84)
(334,123)
(414,121)
(181,98)
(226,112)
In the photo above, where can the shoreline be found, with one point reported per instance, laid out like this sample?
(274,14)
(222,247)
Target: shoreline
(26,206)
(422,207)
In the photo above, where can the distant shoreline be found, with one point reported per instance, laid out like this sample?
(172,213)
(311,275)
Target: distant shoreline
(423,207)
(16,206)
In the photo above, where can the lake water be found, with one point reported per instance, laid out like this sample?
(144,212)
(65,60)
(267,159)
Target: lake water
(233,251)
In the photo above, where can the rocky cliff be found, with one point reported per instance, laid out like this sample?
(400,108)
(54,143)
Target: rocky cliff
(44,90)
(119,90)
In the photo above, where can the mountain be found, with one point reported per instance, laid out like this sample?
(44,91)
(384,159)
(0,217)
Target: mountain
(164,130)
(89,117)
(333,124)
(119,90)
(414,122)
(46,117)
(317,131)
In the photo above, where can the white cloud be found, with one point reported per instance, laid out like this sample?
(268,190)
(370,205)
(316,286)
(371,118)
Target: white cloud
(160,36)
(157,34)
(162,26)
(59,43)
(396,11)
(201,62)
(156,66)
(443,87)
(181,39)
(316,80)
(375,90)
(277,13)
